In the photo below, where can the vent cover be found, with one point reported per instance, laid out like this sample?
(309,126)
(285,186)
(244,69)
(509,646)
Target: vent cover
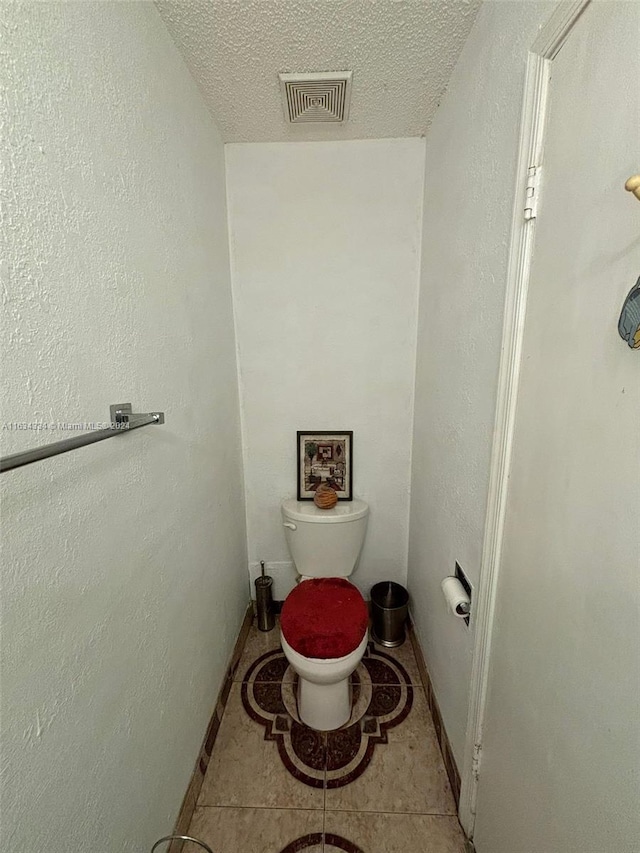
(323,96)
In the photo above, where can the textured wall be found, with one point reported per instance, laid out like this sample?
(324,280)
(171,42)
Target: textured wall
(469,187)
(124,564)
(325,255)
(401,53)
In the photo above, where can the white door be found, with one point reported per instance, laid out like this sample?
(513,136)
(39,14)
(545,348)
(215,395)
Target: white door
(561,751)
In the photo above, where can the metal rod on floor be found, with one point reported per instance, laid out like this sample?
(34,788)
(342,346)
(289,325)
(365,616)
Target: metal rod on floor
(181,838)
(122,420)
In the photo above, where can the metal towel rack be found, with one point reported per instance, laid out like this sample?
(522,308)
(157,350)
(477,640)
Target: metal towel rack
(122,420)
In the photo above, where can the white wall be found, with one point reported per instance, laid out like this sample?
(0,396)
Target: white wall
(469,187)
(325,241)
(124,564)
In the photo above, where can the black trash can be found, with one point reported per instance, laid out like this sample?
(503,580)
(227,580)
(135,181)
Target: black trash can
(389,609)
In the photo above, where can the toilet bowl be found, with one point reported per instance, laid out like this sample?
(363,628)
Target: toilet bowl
(324,620)
(324,686)
(324,632)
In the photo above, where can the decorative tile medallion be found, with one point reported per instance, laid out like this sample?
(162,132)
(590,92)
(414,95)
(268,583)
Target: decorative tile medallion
(314,839)
(382,699)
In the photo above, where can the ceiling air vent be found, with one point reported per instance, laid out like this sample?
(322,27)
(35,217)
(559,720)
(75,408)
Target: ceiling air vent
(322,96)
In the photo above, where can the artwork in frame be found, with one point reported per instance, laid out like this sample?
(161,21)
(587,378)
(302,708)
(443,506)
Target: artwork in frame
(325,457)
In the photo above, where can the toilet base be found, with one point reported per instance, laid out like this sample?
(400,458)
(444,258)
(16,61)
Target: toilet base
(324,706)
(324,686)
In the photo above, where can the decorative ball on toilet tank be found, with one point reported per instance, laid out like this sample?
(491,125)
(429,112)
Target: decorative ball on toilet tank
(325,497)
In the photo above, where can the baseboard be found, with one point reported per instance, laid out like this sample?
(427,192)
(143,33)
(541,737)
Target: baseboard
(197,777)
(443,740)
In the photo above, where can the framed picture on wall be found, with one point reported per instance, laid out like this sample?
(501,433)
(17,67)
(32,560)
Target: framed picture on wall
(325,456)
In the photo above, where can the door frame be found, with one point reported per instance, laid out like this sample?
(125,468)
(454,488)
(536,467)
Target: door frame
(530,153)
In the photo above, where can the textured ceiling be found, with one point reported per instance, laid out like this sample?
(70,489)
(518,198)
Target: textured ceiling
(401,53)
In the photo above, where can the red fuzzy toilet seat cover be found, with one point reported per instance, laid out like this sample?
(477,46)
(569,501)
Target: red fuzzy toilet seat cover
(324,618)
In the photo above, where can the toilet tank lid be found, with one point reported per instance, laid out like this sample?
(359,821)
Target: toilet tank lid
(308,511)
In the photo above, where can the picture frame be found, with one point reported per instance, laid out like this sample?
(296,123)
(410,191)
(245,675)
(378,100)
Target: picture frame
(325,456)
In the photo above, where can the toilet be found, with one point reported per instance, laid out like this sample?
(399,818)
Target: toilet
(324,620)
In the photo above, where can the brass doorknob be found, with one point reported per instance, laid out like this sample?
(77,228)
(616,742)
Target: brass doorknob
(633,185)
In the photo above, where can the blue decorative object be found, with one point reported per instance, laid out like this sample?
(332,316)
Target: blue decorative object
(629,322)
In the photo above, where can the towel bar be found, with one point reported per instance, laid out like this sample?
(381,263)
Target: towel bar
(122,420)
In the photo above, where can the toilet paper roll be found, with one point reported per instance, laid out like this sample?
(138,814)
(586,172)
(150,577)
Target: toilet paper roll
(456,597)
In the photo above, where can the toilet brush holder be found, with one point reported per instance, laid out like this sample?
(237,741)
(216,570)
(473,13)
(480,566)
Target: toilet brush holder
(264,603)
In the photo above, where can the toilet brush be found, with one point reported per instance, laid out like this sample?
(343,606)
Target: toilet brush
(264,600)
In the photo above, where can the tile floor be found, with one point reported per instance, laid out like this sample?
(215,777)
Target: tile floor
(378,785)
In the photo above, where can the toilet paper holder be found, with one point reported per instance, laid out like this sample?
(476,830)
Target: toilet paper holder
(463,608)
(457,593)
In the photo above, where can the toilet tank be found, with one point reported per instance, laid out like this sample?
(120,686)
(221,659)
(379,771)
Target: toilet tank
(325,542)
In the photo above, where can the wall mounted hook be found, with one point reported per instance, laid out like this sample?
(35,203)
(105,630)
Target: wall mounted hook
(629,322)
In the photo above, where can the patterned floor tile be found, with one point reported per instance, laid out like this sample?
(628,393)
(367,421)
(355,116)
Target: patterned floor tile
(247,830)
(389,833)
(258,643)
(408,775)
(246,770)
(405,656)
(332,842)
(377,785)
(382,699)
